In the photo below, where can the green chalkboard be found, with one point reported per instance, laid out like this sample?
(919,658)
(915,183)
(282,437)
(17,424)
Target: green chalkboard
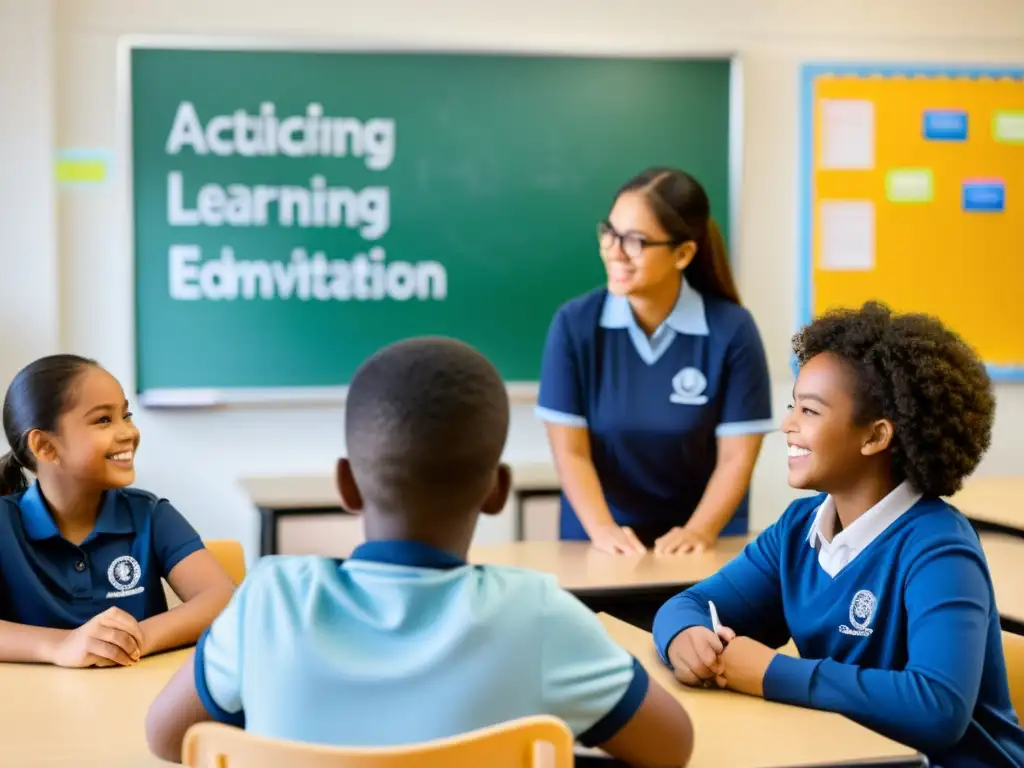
(295,210)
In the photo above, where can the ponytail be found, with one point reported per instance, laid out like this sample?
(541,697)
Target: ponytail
(36,399)
(12,478)
(682,208)
(709,272)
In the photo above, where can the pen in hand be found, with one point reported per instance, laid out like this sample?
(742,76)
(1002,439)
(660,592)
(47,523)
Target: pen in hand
(716,624)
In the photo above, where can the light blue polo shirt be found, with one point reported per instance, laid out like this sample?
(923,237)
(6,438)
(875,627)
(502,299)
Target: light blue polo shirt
(654,406)
(404,643)
(47,581)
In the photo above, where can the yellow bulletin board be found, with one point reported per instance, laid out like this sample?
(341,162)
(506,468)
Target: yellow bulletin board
(912,193)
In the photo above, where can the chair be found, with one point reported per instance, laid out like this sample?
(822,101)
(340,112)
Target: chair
(529,742)
(230,555)
(1013,650)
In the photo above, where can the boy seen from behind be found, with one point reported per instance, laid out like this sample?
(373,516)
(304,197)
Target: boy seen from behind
(405,642)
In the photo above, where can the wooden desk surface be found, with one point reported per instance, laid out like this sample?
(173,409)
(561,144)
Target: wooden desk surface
(310,491)
(743,732)
(66,717)
(997,500)
(80,717)
(1005,555)
(579,567)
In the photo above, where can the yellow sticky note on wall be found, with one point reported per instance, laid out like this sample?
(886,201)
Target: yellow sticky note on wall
(83,166)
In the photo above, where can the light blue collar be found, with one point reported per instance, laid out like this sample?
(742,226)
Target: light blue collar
(687,316)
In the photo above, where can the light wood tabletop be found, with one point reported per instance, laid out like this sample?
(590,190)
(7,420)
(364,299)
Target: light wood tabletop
(994,500)
(581,568)
(1005,556)
(81,717)
(746,732)
(68,717)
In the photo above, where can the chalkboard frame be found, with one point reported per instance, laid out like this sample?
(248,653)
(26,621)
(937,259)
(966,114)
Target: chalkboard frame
(520,392)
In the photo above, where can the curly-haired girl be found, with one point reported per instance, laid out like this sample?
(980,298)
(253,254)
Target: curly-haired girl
(881,584)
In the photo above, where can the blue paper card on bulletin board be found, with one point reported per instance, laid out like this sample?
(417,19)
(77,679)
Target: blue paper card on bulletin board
(945,124)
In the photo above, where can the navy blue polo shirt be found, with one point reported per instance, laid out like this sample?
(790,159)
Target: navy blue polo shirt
(47,581)
(654,406)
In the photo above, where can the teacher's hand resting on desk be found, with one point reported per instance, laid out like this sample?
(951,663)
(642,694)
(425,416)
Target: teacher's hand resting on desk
(654,389)
(683,539)
(616,540)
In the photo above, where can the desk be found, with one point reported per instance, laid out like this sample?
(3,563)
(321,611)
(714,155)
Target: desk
(740,731)
(81,717)
(279,496)
(993,503)
(95,717)
(628,587)
(581,569)
(1005,555)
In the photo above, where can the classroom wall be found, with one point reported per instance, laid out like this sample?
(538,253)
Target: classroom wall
(29,300)
(61,70)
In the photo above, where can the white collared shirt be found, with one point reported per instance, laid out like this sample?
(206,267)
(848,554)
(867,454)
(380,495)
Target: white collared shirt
(836,554)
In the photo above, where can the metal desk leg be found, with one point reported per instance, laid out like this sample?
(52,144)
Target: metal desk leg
(268,531)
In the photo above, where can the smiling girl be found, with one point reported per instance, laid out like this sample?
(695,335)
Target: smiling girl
(81,555)
(882,585)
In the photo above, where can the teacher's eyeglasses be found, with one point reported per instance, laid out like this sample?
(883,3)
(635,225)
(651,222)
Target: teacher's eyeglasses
(632,244)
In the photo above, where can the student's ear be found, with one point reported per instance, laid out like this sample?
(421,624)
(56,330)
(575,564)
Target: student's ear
(495,501)
(42,446)
(879,438)
(685,254)
(351,498)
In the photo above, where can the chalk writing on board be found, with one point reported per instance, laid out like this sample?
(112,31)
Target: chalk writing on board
(368,275)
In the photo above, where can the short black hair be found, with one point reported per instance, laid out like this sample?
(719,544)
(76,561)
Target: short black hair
(38,396)
(914,371)
(426,421)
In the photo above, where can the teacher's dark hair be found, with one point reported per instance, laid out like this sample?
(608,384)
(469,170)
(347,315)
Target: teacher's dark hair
(682,208)
(36,399)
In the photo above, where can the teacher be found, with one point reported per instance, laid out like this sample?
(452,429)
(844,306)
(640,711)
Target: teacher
(654,390)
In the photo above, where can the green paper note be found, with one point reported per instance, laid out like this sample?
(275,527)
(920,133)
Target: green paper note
(909,185)
(1008,126)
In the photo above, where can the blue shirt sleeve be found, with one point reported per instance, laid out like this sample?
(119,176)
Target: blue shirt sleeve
(218,663)
(927,705)
(173,538)
(747,395)
(747,594)
(561,398)
(588,680)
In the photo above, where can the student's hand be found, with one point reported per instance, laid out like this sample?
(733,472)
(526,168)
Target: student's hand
(744,664)
(112,637)
(142,641)
(616,540)
(695,655)
(682,540)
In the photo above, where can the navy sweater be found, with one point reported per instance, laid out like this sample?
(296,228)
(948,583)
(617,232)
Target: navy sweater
(904,640)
